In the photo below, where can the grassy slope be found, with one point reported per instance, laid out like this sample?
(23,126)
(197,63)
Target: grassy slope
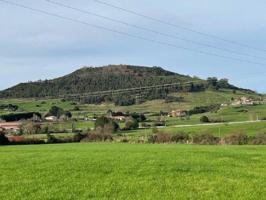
(123,171)
(191,99)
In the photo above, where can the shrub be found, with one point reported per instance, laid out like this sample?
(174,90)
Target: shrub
(32,128)
(204,109)
(131,124)
(204,119)
(51,139)
(155,130)
(98,137)
(160,138)
(236,139)
(19,140)
(106,125)
(19,116)
(3,139)
(124,140)
(78,137)
(205,139)
(159,123)
(180,137)
(259,139)
(76,108)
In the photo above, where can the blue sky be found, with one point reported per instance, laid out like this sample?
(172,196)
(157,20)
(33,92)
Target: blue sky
(35,46)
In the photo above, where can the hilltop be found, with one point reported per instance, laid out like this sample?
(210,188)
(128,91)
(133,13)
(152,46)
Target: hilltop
(115,77)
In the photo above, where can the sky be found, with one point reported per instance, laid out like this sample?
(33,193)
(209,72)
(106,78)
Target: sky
(36,46)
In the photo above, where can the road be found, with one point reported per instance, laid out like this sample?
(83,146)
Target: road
(215,124)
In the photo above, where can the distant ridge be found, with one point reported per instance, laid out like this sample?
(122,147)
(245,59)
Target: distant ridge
(111,77)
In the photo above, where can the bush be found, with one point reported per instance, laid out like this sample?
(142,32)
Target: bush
(155,130)
(51,139)
(3,139)
(19,116)
(19,140)
(204,109)
(98,137)
(180,137)
(236,139)
(78,137)
(124,140)
(205,139)
(160,138)
(204,119)
(28,141)
(159,123)
(131,124)
(106,125)
(32,128)
(259,139)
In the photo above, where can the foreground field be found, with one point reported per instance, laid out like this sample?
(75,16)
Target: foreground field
(131,171)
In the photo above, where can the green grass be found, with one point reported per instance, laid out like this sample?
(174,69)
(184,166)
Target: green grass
(218,130)
(127,171)
(190,100)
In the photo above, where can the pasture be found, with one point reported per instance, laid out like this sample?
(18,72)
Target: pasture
(132,171)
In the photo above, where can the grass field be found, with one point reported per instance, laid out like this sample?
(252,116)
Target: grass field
(131,171)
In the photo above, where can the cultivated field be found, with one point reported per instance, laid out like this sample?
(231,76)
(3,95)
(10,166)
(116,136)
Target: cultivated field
(131,171)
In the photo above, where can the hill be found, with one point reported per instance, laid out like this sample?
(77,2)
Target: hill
(89,80)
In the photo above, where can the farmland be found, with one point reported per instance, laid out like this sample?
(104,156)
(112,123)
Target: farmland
(132,171)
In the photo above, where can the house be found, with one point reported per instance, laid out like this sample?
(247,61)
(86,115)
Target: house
(51,118)
(178,113)
(10,126)
(118,118)
(243,101)
(246,101)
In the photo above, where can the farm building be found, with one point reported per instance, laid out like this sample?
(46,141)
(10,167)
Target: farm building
(51,118)
(118,118)
(178,113)
(10,126)
(243,101)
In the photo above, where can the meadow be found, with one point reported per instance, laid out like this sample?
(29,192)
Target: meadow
(132,171)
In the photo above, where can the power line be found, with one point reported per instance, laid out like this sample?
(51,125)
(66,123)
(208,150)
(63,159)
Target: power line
(150,30)
(106,92)
(122,91)
(178,26)
(130,35)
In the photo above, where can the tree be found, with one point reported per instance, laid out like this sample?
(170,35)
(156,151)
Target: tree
(106,125)
(3,139)
(131,124)
(223,83)
(204,119)
(32,128)
(212,82)
(56,111)
(68,114)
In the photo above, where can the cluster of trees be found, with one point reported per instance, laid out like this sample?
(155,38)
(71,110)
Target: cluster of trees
(58,112)
(89,80)
(9,107)
(204,109)
(20,116)
(208,139)
(36,116)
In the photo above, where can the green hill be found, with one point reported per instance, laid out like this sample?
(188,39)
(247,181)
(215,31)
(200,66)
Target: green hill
(89,80)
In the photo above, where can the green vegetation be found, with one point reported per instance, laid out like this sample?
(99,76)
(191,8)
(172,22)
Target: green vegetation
(123,171)
(116,77)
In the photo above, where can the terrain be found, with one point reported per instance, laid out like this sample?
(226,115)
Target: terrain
(121,84)
(130,165)
(132,171)
(210,92)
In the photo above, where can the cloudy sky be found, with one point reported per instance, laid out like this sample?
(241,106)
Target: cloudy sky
(36,46)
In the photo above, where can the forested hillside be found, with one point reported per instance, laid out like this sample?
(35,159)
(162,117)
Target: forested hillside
(113,77)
